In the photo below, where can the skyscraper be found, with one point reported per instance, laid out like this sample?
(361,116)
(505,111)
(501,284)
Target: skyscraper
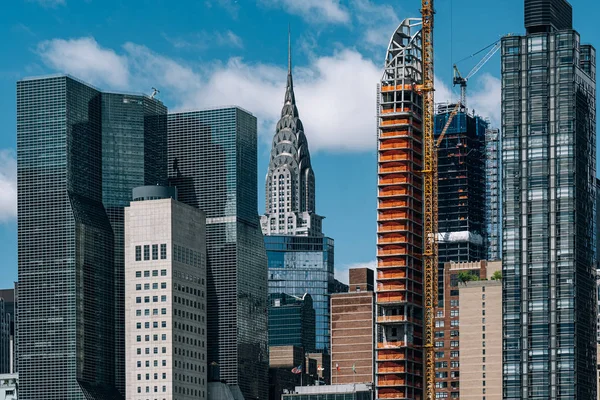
(165,297)
(493,193)
(8,364)
(65,243)
(549,171)
(134,153)
(461,189)
(399,292)
(301,258)
(213,162)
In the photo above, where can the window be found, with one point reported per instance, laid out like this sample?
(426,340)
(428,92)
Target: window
(146,286)
(155,299)
(155,311)
(163,272)
(139,351)
(163,251)
(155,286)
(155,252)
(147,312)
(454,353)
(146,274)
(163,298)
(147,325)
(163,285)
(454,343)
(138,338)
(163,324)
(454,322)
(138,299)
(138,286)
(138,253)
(138,325)
(439,324)
(163,311)
(138,313)
(146,299)
(154,272)
(146,252)
(164,336)
(138,274)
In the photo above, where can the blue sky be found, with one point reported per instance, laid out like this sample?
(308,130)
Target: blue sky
(202,53)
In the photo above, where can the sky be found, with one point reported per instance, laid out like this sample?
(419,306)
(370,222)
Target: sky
(206,53)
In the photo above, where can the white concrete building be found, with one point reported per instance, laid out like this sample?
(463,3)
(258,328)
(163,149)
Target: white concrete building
(9,386)
(165,297)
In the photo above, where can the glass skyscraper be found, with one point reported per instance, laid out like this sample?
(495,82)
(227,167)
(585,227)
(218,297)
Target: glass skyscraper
(549,170)
(134,153)
(65,244)
(212,158)
(493,193)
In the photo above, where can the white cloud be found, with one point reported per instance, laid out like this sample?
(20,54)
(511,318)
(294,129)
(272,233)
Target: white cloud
(319,11)
(85,59)
(484,95)
(8,185)
(231,6)
(341,273)
(204,40)
(377,20)
(335,94)
(50,3)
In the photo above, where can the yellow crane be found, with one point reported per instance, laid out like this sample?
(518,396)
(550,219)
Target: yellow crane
(430,253)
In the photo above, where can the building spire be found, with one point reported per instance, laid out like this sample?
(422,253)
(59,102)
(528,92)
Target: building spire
(289,50)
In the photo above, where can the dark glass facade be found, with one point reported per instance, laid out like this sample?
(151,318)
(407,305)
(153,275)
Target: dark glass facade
(65,244)
(549,169)
(134,153)
(461,190)
(493,193)
(212,158)
(304,264)
(292,321)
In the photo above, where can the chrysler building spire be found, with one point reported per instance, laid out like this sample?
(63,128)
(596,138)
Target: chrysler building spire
(290,182)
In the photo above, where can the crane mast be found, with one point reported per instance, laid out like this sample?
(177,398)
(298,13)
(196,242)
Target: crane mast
(430,253)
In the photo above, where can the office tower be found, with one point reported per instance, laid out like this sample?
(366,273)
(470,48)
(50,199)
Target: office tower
(300,256)
(65,243)
(461,189)
(165,296)
(399,353)
(353,330)
(549,171)
(448,348)
(481,339)
(292,321)
(493,193)
(134,153)
(213,162)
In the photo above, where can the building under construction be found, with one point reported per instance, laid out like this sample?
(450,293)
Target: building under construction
(399,293)
(461,189)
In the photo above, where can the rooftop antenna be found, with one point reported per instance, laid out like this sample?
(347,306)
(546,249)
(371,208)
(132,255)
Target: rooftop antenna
(155,91)
(289,49)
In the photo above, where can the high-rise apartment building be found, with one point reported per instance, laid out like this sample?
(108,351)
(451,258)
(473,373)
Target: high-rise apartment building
(292,321)
(300,257)
(399,294)
(549,171)
(493,193)
(134,153)
(353,330)
(461,189)
(481,339)
(65,244)
(165,297)
(448,340)
(212,162)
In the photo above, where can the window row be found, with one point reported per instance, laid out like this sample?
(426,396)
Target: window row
(138,274)
(147,286)
(147,247)
(147,350)
(154,337)
(163,298)
(138,313)
(163,324)
(155,363)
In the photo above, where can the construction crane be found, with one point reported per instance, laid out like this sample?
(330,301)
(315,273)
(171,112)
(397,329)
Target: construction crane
(458,79)
(430,211)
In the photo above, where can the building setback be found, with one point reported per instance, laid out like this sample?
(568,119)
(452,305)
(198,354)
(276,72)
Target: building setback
(134,153)
(481,338)
(461,189)
(549,171)
(65,244)
(212,162)
(353,330)
(399,293)
(165,297)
